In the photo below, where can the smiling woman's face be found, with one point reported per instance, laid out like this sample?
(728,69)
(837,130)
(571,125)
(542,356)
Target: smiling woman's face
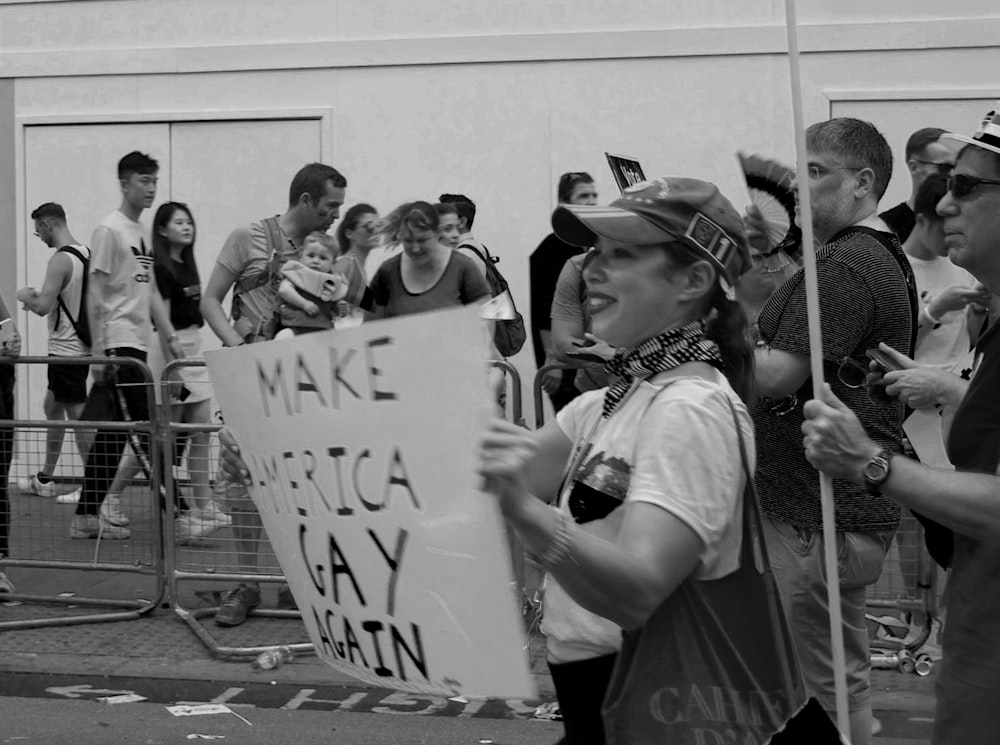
(632,292)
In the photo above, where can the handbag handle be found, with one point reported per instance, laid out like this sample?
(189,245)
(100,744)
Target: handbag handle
(751,511)
(751,515)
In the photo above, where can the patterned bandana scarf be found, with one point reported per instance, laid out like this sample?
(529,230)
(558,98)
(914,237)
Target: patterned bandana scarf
(663,352)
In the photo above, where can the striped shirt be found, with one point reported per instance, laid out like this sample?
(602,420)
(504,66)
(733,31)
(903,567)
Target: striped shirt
(863,301)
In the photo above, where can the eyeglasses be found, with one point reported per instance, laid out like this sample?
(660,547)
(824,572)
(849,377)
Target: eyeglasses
(963,185)
(818,172)
(854,375)
(943,168)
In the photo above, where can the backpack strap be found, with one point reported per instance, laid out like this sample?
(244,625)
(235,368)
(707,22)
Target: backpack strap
(74,321)
(487,259)
(272,233)
(891,243)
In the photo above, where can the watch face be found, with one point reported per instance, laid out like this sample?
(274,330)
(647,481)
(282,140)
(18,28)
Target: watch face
(876,469)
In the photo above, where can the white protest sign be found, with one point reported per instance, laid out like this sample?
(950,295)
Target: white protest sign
(361,446)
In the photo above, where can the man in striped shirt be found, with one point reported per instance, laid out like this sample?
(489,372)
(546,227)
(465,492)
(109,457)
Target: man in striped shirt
(865,298)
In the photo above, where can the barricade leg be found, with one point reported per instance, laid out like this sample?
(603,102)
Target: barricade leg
(228,544)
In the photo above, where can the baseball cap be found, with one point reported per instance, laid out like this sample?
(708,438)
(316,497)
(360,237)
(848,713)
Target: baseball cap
(664,210)
(988,134)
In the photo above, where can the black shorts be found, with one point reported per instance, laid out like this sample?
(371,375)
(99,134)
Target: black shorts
(68,383)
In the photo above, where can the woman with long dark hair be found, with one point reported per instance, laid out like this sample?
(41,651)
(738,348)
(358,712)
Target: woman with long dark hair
(179,283)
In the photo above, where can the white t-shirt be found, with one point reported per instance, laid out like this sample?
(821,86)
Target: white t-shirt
(120,249)
(945,345)
(672,444)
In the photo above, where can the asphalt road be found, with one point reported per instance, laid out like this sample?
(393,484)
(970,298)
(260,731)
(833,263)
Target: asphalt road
(50,721)
(50,709)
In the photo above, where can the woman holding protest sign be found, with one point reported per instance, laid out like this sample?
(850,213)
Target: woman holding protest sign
(649,533)
(428,275)
(654,532)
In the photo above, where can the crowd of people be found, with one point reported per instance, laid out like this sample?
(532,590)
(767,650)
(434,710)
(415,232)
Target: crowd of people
(886,283)
(136,292)
(685,376)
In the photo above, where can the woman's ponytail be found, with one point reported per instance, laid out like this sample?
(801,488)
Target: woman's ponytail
(729,327)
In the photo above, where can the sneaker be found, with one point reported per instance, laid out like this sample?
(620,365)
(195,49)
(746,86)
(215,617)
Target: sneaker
(286,601)
(236,605)
(42,488)
(111,511)
(214,514)
(72,497)
(92,526)
(189,527)
(932,647)
(6,586)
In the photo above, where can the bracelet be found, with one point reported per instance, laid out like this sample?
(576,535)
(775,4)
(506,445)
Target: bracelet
(927,312)
(559,544)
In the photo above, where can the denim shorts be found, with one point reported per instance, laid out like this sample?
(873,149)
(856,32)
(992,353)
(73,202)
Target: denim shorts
(796,556)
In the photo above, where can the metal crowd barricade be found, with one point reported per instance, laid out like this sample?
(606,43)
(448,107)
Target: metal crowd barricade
(907,585)
(512,399)
(538,395)
(217,556)
(39,530)
(513,411)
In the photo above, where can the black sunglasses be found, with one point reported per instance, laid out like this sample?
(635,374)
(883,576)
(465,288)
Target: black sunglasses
(962,185)
(943,168)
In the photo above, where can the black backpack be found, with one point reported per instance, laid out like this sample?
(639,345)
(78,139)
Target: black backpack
(80,324)
(508,335)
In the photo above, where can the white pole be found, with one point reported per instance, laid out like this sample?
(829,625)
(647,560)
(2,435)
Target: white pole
(816,363)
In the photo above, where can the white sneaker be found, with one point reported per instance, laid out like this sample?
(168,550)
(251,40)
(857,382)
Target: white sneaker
(42,488)
(111,511)
(69,497)
(189,528)
(214,514)
(92,526)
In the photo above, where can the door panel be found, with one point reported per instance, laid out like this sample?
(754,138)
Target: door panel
(75,166)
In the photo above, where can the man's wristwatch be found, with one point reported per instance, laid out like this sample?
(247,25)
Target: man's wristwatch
(876,471)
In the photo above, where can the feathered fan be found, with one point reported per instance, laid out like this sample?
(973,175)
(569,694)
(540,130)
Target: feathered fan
(770,186)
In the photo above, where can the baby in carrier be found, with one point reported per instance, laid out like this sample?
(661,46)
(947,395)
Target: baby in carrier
(312,295)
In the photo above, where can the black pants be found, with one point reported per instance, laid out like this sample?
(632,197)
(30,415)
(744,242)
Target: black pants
(580,688)
(6,451)
(106,452)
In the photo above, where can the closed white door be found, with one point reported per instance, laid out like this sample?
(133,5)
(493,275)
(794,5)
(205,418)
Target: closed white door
(229,173)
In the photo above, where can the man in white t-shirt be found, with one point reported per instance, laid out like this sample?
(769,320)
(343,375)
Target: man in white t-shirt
(124,303)
(952,302)
(62,300)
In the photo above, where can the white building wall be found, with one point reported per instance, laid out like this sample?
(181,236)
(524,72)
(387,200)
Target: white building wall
(496,98)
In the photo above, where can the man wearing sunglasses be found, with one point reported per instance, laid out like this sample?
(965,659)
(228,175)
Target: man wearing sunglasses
(966,500)
(864,292)
(926,154)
